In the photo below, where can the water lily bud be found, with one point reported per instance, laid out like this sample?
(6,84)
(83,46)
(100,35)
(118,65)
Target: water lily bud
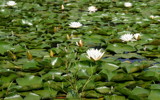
(68,37)
(51,53)
(137,36)
(128,4)
(62,7)
(13,56)
(80,43)
(55,29)
(29,55)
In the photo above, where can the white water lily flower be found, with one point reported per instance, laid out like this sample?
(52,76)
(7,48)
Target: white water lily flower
(27,22)
(153,17)
(95,54)
(2,10)
(92,9)
(128,4)
(11,3)
(75,24)
(127,37)
(137,36)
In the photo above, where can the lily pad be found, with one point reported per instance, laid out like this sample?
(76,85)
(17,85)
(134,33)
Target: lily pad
(103,90)
(120,48)
(46,93)
(139,91)
(154,95)
(30,65)
(32,96)
(14,97)
(5,47)
(29,82)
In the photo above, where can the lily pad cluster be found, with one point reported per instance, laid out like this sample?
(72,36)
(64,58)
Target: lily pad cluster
(44,44)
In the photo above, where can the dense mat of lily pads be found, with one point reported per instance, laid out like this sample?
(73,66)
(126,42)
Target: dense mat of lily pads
(97,49)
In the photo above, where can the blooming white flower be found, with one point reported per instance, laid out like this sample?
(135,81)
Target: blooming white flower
(128,4)
(2,10)
(137,36)
(27,22)
(127,37)
(153,17)
(92,9)
(11,3)
(75,24)
(95,54)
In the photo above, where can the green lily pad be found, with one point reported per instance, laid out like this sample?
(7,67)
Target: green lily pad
(4,47)
(109,66)
(155,86)
(120,48)
(46,93)
(91,93)
(9,78)
(139,91)
(103,90)
(14,97)
(29,82)
(33,96)
(108,74)
(30,65)
(154,95)
(52,75)
(5,71)
(115,97)
(56,62)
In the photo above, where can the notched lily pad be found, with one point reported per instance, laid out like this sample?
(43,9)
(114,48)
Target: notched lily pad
(29,82)
(92,94)
(30,65)
(33,96)
(103,89)
(46,93)
(120,48)
(14,97)
(4,47)
(56,61)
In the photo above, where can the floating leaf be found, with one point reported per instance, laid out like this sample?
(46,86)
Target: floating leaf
(72,95)
(109,66)
(103,90)
(91,93)
(108,74)
(155,86)
(30,65)
(120,48)
(31,96)
(139,91)
(15,97)
(115,97)
(46,93)
(4,47)
(29,82)
(56,62)
(154,95)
